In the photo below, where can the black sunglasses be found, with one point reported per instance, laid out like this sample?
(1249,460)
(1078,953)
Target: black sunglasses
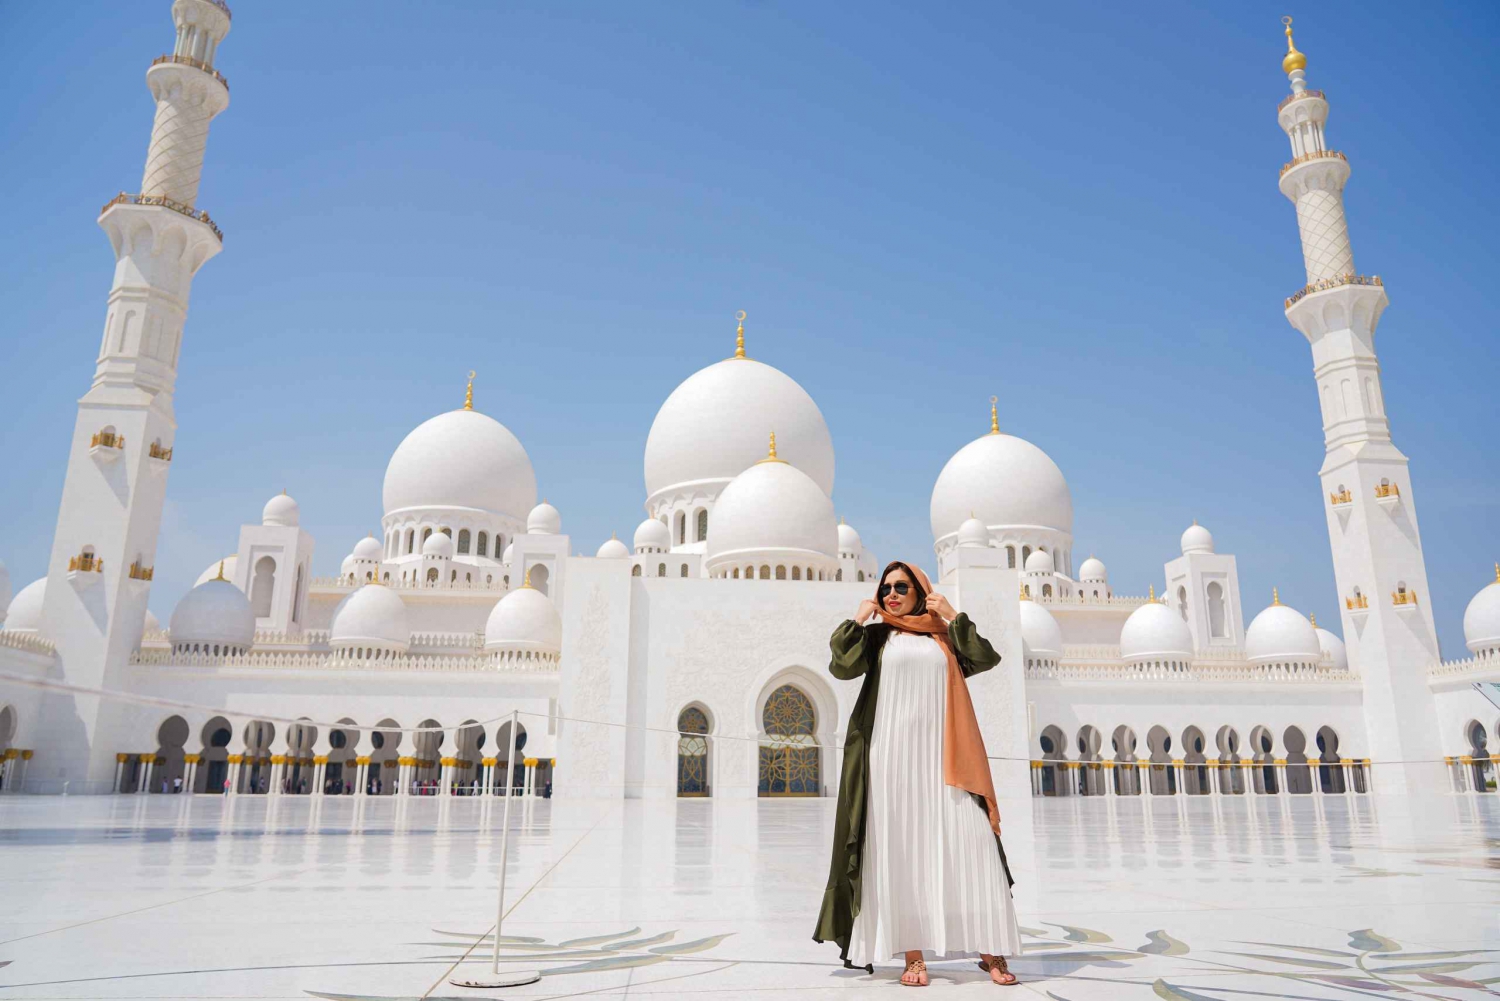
(901,587)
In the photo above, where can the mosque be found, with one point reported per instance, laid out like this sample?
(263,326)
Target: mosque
(651,669)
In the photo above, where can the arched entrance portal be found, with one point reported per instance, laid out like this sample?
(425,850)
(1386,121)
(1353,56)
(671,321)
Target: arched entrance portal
(789,757)
(692,752)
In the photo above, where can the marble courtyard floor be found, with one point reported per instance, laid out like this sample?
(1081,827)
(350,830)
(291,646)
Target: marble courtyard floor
(1178,898)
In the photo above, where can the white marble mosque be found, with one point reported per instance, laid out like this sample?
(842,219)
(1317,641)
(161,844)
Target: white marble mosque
(651,669)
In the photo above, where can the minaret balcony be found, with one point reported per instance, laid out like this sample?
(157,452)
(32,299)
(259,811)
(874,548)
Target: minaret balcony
(1403,599)
(158,458)
(1357,604)
(106,446)
(195,63)
(1323,284)
(124,198)
(1297,97)
(1341,498)
(1387,495)
(85,570)
(1317,154)
(138,578)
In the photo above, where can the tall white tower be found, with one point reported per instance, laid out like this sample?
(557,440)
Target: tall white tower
(1367,490)
(105,545)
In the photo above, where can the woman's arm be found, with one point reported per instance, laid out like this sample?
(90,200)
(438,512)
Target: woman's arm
(852,650)
(974,651)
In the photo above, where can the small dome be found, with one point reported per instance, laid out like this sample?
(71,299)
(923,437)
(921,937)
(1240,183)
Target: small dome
(151,624)
(1197,539)
(973,532)
(1092,571)
(25,612)
(772,511)
(1040,562)
(544,520)
(1004,481)
(1334,648)
(652,535)
(523,620)
(347,567)
(510,551)
(226,565)
(280,510)
(438,544)
(1040,635)
(373,616)
(1155,632)
(1481,618)
(462,458)
(1281,634)
(368,548)
(849,540)
(613,549)
(215,613)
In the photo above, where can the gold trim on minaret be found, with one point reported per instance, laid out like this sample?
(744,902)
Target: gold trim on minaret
(994,415)
(739,335)
(1293,60)
(469,392)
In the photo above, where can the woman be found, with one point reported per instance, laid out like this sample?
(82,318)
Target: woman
(917,860)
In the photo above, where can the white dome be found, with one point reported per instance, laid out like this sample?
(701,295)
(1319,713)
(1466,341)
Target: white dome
(280,510)
(772,510)
(713,427)
(1155,632)
(461,459)
(1092,571)
(510,550)
(5,592)
(1281,634)
(151,624)
(544,520)
(25,611)
(347,567)
(1481,618)
(1040,562)
(525,619)
(228,564)
(652,535)
(973,533)
(1040,635)
(368,549)
(1197,539)
(613,549)
(849,540)
(373,616)
(1004,481)
(1334,648)
(438,544)
(215,613)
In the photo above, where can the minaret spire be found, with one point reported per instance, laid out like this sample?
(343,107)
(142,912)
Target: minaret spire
(113,494)
(1366,491)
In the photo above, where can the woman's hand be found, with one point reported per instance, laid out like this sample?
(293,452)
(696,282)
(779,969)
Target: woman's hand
(937,603)
(867,608)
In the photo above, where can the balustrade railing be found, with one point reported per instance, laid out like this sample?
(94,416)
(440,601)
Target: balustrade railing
(157,452)
(1317,154)
(1385,490)
(138,572)
(1357,603)
(195,63)
(107,439)
(86,563)
(1324,284)
(1403,597)
(1342,497)
(300,660)
(1297,97)
(124,198)
(25,641)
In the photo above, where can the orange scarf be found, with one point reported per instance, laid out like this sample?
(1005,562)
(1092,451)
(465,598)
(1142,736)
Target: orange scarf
(965,765)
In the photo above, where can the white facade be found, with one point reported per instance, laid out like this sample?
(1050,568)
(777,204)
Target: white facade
(693,661)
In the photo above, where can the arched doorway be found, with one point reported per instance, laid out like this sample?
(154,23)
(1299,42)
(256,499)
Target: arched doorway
(213,760)
(515,769)
(384,774)
(255,773)
(427,746)
(1090,772)
(1482,769)
(692,752)
(171,759)
(540,577)
(262,584)
(1298,775)
(1195,778)
(468,753)
(1054,749)
(790,762)
(341,773)
(1163,775)
(1265,762)
(1330,772)
(297,773)
(1127,772)
(1231,775)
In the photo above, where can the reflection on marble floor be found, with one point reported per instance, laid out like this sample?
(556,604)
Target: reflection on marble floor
(1185,898)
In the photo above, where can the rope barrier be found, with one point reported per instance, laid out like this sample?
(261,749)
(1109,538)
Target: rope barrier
(52,685)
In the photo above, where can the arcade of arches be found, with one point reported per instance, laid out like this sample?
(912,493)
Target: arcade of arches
(382,761)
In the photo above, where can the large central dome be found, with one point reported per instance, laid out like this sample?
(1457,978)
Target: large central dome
(1005,482)
(713,427)
(461,459)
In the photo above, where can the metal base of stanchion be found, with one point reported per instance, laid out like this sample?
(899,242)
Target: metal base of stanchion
(514,978)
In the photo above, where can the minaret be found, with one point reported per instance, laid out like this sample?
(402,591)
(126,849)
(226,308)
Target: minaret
(102,554)
(1366,486)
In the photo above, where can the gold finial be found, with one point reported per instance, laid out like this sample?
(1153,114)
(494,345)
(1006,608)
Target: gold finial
(994,415)
(1151,595)
(1275,596)
(221,571)
(1497,573)
(1313,618)
(772,456)
(739,335)
(1293,60)
(469,392)
(526,581)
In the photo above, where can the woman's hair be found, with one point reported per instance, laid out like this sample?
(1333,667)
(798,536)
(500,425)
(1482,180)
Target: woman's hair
(920,608)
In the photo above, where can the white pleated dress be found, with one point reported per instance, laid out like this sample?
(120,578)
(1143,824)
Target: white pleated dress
(931,877)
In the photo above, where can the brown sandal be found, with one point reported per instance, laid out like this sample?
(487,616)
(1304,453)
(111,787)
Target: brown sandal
(1000,969)
(915,968)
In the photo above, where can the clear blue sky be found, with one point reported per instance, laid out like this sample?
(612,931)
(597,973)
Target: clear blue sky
(1073,206)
